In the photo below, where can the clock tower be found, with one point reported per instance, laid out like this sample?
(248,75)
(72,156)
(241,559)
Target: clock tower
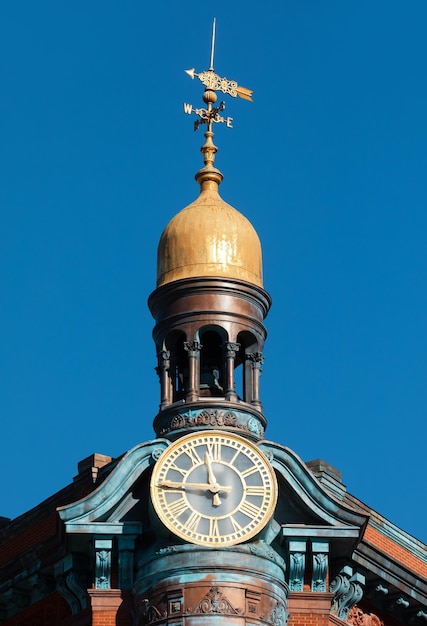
(209,523)
(213,489)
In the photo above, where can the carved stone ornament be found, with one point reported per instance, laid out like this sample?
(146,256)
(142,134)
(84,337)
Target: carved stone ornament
(215,602)
(103,569)
(216,418)
(296,571)
(347,591)
(320,569)
(278,616)
(192,346)
(256,358)
(356,617)
(232,349)
(148,613)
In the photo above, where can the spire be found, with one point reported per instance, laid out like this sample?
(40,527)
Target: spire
(212,114)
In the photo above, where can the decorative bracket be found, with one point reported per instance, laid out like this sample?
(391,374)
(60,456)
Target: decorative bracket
(297,551)
(348,591)
(320,550)
(72,583)
(103,548)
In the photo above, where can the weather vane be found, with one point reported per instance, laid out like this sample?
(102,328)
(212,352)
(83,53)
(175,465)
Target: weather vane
(213,83)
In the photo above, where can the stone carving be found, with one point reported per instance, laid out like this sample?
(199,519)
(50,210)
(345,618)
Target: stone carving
(256,358)
(356,617)
(215,602)
(148,613)
(77,583)
(103,569)
(217,418)
(278,616)
(347,591)
(164,356)
(262,549)
(296,571)
(320,568)
(193,347)
(67,594)
(255,427)
(72,584)
(232,349)
(156,454)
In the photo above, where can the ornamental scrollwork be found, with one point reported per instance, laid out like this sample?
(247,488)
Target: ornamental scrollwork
(192,347)
(215,602)
(217,418)
(256,358)
(149,613)
(347,590)
(278,616)
(216,83)
(356,617)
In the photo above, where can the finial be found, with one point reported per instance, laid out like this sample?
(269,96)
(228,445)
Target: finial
(212,114)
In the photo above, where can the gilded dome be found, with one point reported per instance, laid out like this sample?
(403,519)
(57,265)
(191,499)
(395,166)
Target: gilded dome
(209,238)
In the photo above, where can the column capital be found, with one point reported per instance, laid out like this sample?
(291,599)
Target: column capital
(192,347)
(256,358)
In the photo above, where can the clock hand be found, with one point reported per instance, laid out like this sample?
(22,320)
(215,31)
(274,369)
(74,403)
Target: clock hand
(208,462)
(212,487)
(216,501)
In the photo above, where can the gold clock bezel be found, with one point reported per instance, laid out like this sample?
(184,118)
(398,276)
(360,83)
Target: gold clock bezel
(173,504)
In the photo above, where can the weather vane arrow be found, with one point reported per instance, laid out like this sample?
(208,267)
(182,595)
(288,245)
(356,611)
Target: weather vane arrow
(213,83)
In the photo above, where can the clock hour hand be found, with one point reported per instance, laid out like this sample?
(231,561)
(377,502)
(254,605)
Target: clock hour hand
(212,487)
(216,500)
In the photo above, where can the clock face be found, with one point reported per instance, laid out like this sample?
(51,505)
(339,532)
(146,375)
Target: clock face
(214,489)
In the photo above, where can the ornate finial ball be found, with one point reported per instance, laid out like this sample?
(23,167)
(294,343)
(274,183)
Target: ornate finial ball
(209,96)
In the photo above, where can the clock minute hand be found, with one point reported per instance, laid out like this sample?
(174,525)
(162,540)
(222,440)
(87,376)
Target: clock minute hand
(212,487)
(216,500)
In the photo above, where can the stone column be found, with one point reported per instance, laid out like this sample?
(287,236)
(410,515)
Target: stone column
(231,351)
(163,370)
(193,348)
(256,359)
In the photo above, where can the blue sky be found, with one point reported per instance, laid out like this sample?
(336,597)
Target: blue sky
(329,164)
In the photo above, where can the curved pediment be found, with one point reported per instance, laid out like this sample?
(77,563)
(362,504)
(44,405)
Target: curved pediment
(108,505)
(305,500)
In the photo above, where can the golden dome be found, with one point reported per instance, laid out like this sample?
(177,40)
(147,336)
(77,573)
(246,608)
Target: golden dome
(209,238)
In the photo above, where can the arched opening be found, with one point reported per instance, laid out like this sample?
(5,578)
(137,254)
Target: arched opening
(212,362)
(178,367)
(245,366)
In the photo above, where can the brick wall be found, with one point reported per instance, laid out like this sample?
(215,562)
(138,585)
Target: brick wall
(375,538)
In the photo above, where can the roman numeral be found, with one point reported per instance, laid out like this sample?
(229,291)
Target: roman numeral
(255,490)
(193,521)
(249,471)
(249,509)
(178,469)
(236,526)
(213,528)
(193,456)
(177,507)
(214,451)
